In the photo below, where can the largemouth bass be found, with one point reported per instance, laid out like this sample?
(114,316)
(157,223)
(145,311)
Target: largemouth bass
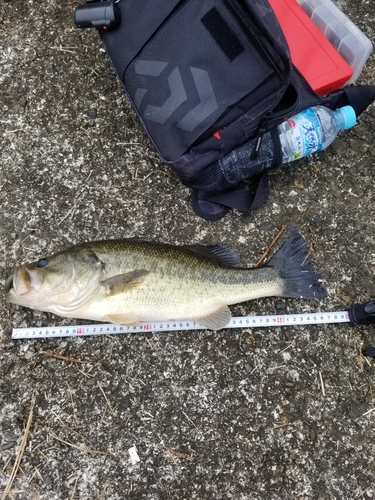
(132,280)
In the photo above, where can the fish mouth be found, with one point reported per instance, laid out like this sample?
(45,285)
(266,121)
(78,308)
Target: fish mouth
(22,281)
(9,283)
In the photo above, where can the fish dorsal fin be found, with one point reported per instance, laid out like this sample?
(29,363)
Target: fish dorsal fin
(216,320)
(129,318)
(124,282)
(147,240)
(222,254)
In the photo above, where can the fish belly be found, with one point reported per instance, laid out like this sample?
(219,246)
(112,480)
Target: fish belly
(168,299)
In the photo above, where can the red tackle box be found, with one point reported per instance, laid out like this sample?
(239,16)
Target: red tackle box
(319,62)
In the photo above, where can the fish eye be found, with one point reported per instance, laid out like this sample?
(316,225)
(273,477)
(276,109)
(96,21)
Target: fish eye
(42,263)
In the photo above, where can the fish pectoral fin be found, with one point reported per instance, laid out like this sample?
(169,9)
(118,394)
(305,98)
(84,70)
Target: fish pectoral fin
(124,282)
(129,318)
(216,320)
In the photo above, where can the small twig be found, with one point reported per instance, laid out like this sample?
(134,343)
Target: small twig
(270,246)
(106,486)
(287,347)
(363,492)
(6,464)
(277,367)
(105,397)
(147,176)
(83,373)
(88,177)
(178,453)
(85,131)
(128,143)
(350,385)
(322,383)
(20,451)
(70,212)
(74,489)
(81,448)
(367,412)
(190,420)
(65,49)
(104,414)
(40,475)
(279,426)
(64,358)
(171,454)
(70,429)
(307,256)
(43,455)
(149,414)
(72,402)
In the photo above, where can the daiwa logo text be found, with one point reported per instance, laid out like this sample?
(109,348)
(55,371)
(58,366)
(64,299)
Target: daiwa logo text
(177,95)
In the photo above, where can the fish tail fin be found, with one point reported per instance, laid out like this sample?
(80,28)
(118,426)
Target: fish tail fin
(294,263)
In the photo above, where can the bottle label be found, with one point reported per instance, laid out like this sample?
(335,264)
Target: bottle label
(306,133)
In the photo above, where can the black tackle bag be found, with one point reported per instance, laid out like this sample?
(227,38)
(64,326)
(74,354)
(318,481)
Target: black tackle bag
(210,81)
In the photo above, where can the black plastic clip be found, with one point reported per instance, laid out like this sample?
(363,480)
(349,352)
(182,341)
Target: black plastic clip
(362,314)
(99,14)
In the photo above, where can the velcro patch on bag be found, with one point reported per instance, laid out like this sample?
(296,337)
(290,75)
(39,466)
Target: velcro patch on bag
(223,34)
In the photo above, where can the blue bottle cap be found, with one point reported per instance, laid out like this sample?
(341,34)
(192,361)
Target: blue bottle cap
(345,117)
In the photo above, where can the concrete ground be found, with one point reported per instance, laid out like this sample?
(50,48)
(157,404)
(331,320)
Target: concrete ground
(282,413)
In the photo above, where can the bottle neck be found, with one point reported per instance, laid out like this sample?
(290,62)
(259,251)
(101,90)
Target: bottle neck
(339,119)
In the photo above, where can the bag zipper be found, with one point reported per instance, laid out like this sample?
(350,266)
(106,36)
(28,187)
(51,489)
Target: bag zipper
(275,117)
(262,129)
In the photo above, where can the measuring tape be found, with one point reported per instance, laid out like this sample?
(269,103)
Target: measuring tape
(172,326)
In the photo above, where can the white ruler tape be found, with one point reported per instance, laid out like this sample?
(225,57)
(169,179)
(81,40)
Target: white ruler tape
(171,326)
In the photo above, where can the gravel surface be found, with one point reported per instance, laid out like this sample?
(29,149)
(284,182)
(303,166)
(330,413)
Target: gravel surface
(282,413)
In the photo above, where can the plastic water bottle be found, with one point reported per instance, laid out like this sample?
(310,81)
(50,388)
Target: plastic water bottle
(312,130)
